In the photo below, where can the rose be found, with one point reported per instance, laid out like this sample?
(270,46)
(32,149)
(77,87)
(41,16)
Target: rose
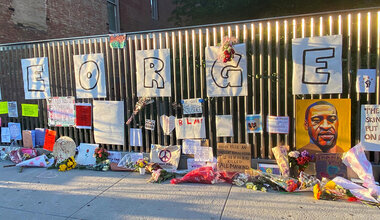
(294,154)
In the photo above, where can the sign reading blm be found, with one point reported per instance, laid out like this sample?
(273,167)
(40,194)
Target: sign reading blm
(153,73)
(226,79)
(90,76)
(317,65)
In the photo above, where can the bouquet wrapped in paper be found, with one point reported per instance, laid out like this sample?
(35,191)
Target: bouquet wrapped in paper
(306,182)
(281,155)
(40,161)
(141,103)
(287,183)
(329,190)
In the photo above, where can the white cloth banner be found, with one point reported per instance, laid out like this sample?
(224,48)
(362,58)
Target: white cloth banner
(135,137)
(90,79)
(226,79)
(35,73)
(153,73)
(370,131)
(317,65)
(366,81)
(109,122)
(166,156)
(224,126)
(187,128)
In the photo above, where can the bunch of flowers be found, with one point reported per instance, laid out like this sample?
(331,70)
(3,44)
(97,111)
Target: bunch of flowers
(160,175)
(257,187)
(67,164)
(141,163)
(140,104)
(227,49)
(101,154)
(329,190)
(299,161)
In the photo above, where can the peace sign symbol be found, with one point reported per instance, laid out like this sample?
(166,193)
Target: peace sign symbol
(165,155)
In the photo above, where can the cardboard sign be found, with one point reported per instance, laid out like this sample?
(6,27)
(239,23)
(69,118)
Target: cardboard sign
(12,110)
(35,73)
(366,81)
(192,106)
(330,165)
(254,123)
(190,128)
(370,130)
(5,135)
(3,108)
(61,111)
(226,79)
(167,124)
(278,124)
(49,139)
(317,65)
(224,125)
(166,156)
(90,78)
(29,110)
(234,157)
(83,115)
(149,124)
(15,131)
(153,73)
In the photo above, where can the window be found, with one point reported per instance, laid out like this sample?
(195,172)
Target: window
(113,16)
(154,9)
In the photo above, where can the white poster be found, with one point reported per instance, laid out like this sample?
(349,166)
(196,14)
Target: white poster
(35,73)
(188,146)
(114,156)
(5,135)
(86,154)
(90,76)
(187,128)
(192,164)
(167,124)
(192,106)
(203,154)
(366,81)
(278,124)
(224,125)
(226,79)
(109,122)
(370,130)
(317,65)
(149,124)
(61,111)
(153,73)
(135,137)
(15,131)
(166,156)
(12,109)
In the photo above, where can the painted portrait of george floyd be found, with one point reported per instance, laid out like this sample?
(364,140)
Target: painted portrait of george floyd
(323,125)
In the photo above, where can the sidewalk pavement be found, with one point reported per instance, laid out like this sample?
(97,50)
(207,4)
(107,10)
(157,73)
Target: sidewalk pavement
(38,193)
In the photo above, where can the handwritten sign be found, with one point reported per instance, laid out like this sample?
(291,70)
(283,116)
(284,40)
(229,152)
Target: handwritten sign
(61,111)
(366,81)
(5,135)
(49,139)
(40,137)
(203,154)
(234,157)
(190,128)
(192,106)
(370,129)
(3,108)
(224,126)
(83,115)
(189,146)
(330,165)
(149,124)
(192,164)
(12,110)
(15,131)
(278,124)
(29,110)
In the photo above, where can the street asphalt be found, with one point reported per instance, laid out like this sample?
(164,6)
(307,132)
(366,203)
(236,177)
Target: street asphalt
(39,193)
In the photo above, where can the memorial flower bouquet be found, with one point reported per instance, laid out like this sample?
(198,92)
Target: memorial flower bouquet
(299,161)
(100,154)
(160,175)
(67,164)
(141,163)
(227,50)
(329,190)
(140,104)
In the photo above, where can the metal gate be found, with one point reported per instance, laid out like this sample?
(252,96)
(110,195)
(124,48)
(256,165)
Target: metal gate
(269,59)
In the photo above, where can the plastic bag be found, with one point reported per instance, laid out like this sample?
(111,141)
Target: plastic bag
(205,175)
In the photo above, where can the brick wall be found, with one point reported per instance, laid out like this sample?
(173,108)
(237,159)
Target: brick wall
(26,20)
(135,15)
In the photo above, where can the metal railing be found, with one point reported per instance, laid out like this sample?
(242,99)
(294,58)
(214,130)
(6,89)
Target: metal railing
(269,59)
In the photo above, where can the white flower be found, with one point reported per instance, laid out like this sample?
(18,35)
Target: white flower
(294,154)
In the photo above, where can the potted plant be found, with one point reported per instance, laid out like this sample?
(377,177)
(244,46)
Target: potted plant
(141,164)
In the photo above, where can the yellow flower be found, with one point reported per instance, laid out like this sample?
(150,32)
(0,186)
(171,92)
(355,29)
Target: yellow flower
(330,185)
(75,164)
(69,164)
(62,167)
(317,191)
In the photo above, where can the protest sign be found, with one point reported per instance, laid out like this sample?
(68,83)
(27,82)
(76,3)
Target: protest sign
(40,136)
(61,111)
(190,128)
(370,129)
(15,131)
(166,156)
(234,157)
(5,135)
(278,124)
(35,73)
(29,110)
(192,106)
(12,110)
(203,154)
(330,165)
(83,115)
(149,124)
(49,139)
(3,108)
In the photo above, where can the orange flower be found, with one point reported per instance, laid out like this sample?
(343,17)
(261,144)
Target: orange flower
(317,191)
